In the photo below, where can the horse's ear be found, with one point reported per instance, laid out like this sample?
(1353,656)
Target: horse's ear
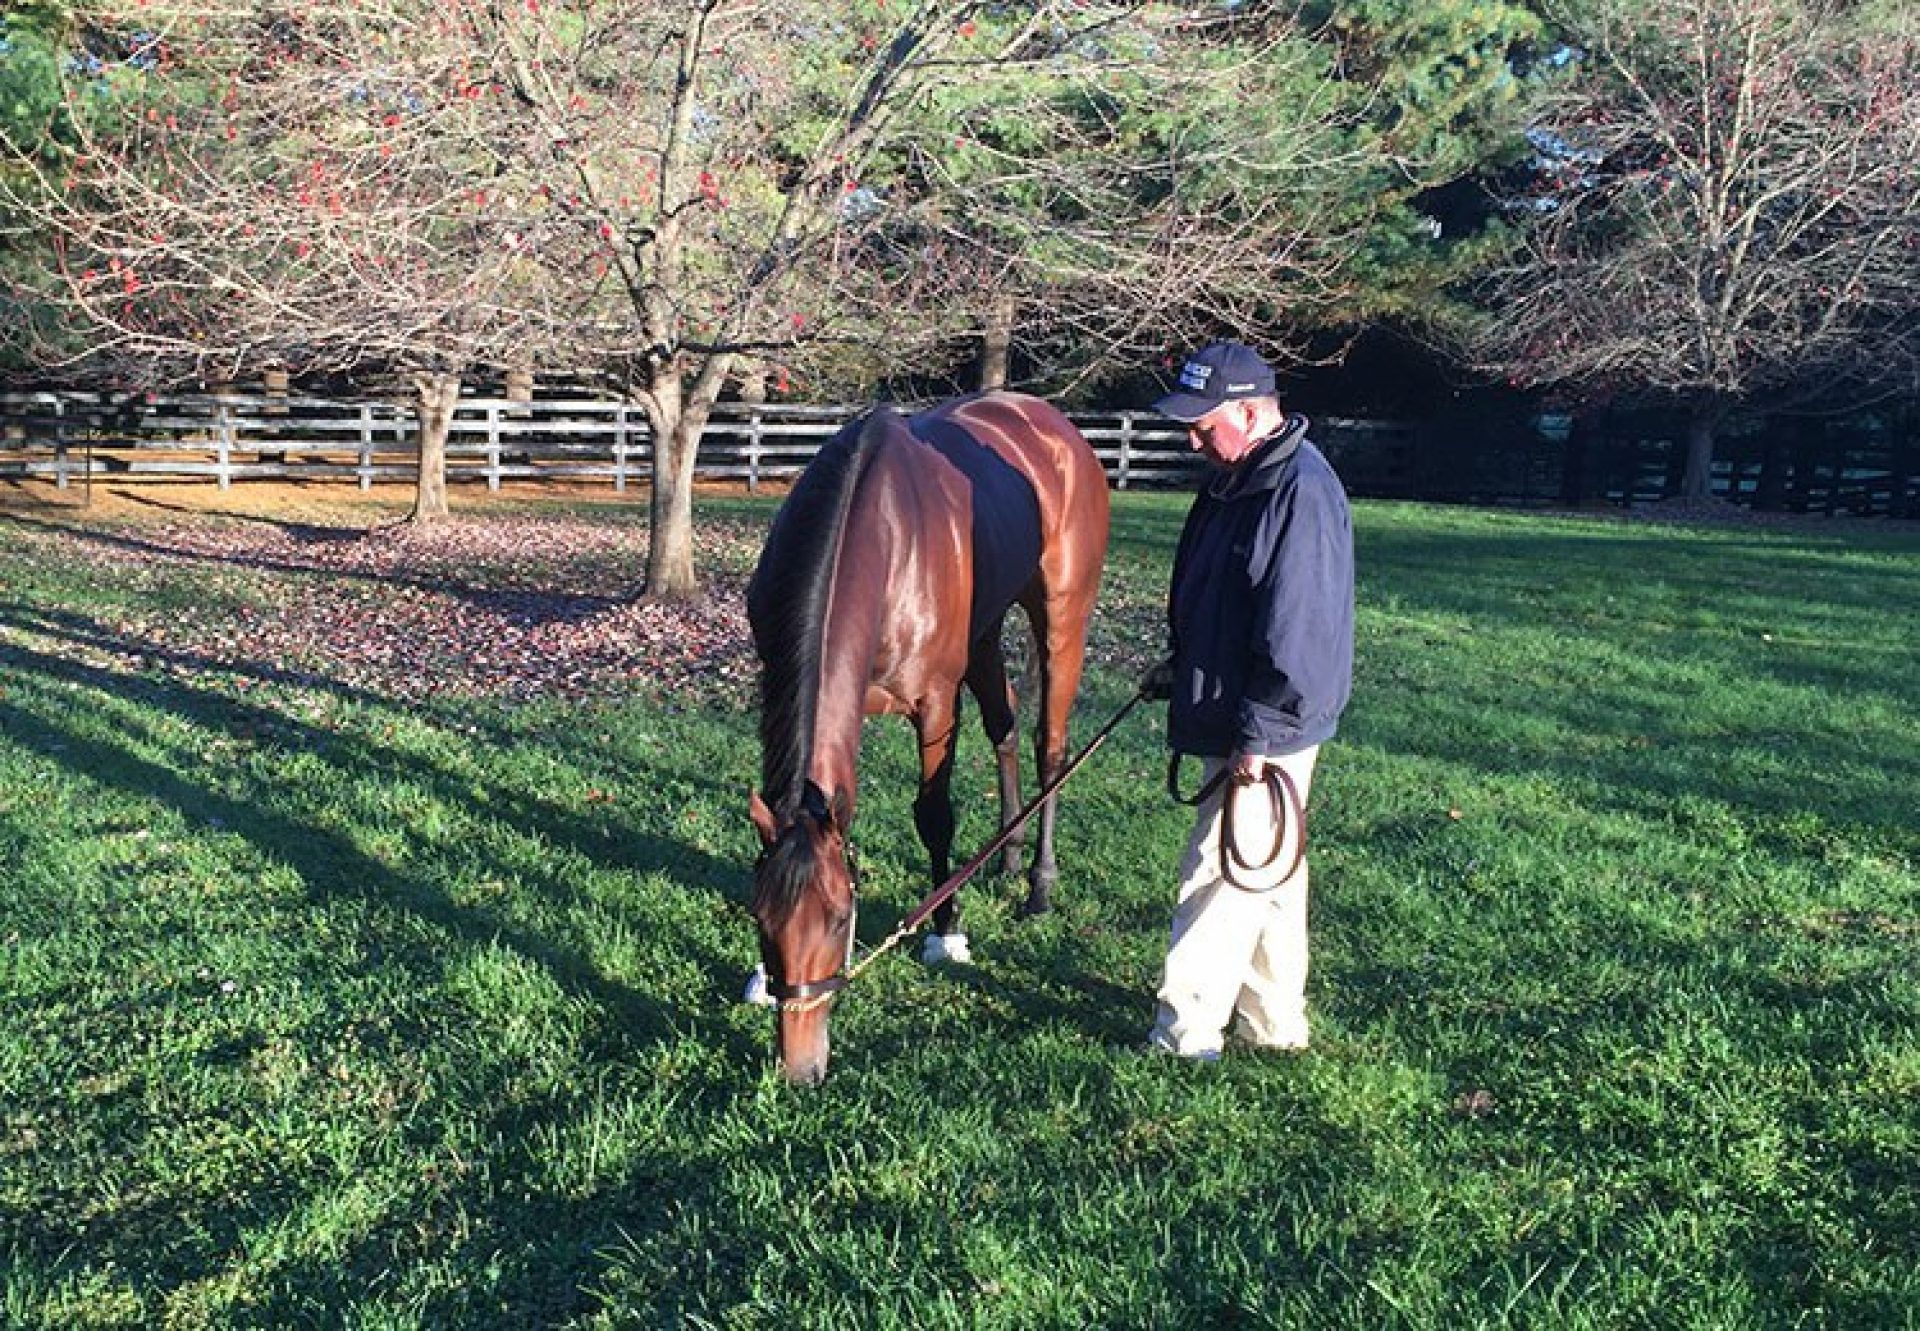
(762,819)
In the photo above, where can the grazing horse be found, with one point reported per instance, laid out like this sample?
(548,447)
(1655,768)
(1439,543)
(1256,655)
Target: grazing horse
(882,588)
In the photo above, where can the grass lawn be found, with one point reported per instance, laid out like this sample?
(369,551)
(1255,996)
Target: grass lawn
(372,912)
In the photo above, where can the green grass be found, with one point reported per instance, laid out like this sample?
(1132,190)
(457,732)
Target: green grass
(322,1010)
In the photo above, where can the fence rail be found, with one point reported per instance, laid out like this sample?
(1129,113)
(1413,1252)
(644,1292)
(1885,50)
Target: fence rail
(73,437)
(1486,458)
(233,438)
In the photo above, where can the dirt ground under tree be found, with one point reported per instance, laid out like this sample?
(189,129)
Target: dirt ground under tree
(531,592)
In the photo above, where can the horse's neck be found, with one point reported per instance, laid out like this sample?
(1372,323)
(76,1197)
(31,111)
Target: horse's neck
(850,641)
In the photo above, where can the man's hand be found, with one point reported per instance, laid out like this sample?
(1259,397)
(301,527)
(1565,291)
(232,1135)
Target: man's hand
(1248,768)
(1157,684)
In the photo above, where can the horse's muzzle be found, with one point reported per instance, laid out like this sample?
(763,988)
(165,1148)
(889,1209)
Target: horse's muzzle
(801,1047)
(808,1073)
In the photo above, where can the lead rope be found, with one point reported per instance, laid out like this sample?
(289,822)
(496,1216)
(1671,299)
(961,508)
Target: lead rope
(1287,811)
(955,881)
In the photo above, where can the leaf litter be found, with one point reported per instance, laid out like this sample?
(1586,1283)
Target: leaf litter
(514,607)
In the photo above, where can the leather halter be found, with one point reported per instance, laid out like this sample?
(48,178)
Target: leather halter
(805,997)
(810,994)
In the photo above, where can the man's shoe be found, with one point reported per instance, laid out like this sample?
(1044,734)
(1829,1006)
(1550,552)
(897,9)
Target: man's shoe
(1288,1038)
(1155,1045)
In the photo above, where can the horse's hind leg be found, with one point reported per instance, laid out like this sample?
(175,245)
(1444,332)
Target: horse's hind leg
(1058,629)
(933,819)
(987,681)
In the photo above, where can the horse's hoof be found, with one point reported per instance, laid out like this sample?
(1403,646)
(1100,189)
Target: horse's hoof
(939,949)
(1039,891)
(757,993)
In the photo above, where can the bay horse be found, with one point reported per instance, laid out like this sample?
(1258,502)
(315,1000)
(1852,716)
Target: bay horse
(881,589)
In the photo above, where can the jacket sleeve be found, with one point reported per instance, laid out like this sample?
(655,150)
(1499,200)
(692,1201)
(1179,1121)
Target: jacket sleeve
(1302,669)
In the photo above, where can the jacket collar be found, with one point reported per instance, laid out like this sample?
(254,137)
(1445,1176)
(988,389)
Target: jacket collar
(1263,468)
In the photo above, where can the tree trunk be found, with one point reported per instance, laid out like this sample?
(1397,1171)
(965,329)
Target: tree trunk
(670,512)
(1577,459)
(438,394)
(677,413)
(1781,447)
(1905,501)
(1703,428)
(997,343)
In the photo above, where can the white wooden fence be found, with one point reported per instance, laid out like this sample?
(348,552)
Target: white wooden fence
(228,438)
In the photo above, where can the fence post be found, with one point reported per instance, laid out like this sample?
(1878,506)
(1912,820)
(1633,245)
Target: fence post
(620,448)
(400,429)
(1576,456)
(753,454)
(59,444)
(1126,448)
(224,431)
(493,447)
(1904,501)
(364,468)
(223,447)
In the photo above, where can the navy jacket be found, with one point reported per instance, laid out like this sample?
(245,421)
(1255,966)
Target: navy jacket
(1261,608)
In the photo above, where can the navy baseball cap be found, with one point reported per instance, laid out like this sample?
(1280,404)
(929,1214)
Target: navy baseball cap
(1214,374)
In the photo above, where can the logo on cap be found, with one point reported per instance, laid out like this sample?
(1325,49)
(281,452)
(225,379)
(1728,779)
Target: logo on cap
(1214,374)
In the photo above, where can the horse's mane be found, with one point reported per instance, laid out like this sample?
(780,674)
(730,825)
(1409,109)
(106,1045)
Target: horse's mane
(787,604)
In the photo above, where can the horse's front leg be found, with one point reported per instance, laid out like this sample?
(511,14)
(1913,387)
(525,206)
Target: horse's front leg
(933,819)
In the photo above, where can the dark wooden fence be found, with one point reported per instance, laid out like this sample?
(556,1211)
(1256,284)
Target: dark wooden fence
(1864,465)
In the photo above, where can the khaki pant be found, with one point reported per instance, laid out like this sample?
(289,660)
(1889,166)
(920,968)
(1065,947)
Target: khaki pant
(1234,953)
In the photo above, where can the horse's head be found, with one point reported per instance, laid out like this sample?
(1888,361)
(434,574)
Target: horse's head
(803,903)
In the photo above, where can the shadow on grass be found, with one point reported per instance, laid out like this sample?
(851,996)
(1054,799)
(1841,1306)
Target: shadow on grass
(326,861)
(176,1238)
(304,533)
(569,828)
(529,600)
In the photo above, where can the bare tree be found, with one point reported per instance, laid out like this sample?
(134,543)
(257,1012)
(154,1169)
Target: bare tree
(432,186)
(674,194)
(1727,211)
(717,143)
(316,189)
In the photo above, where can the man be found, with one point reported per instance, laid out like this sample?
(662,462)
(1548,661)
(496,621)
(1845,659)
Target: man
(1260,614)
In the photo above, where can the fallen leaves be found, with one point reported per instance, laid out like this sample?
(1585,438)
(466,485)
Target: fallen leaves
(507,607)
(1474,1104)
